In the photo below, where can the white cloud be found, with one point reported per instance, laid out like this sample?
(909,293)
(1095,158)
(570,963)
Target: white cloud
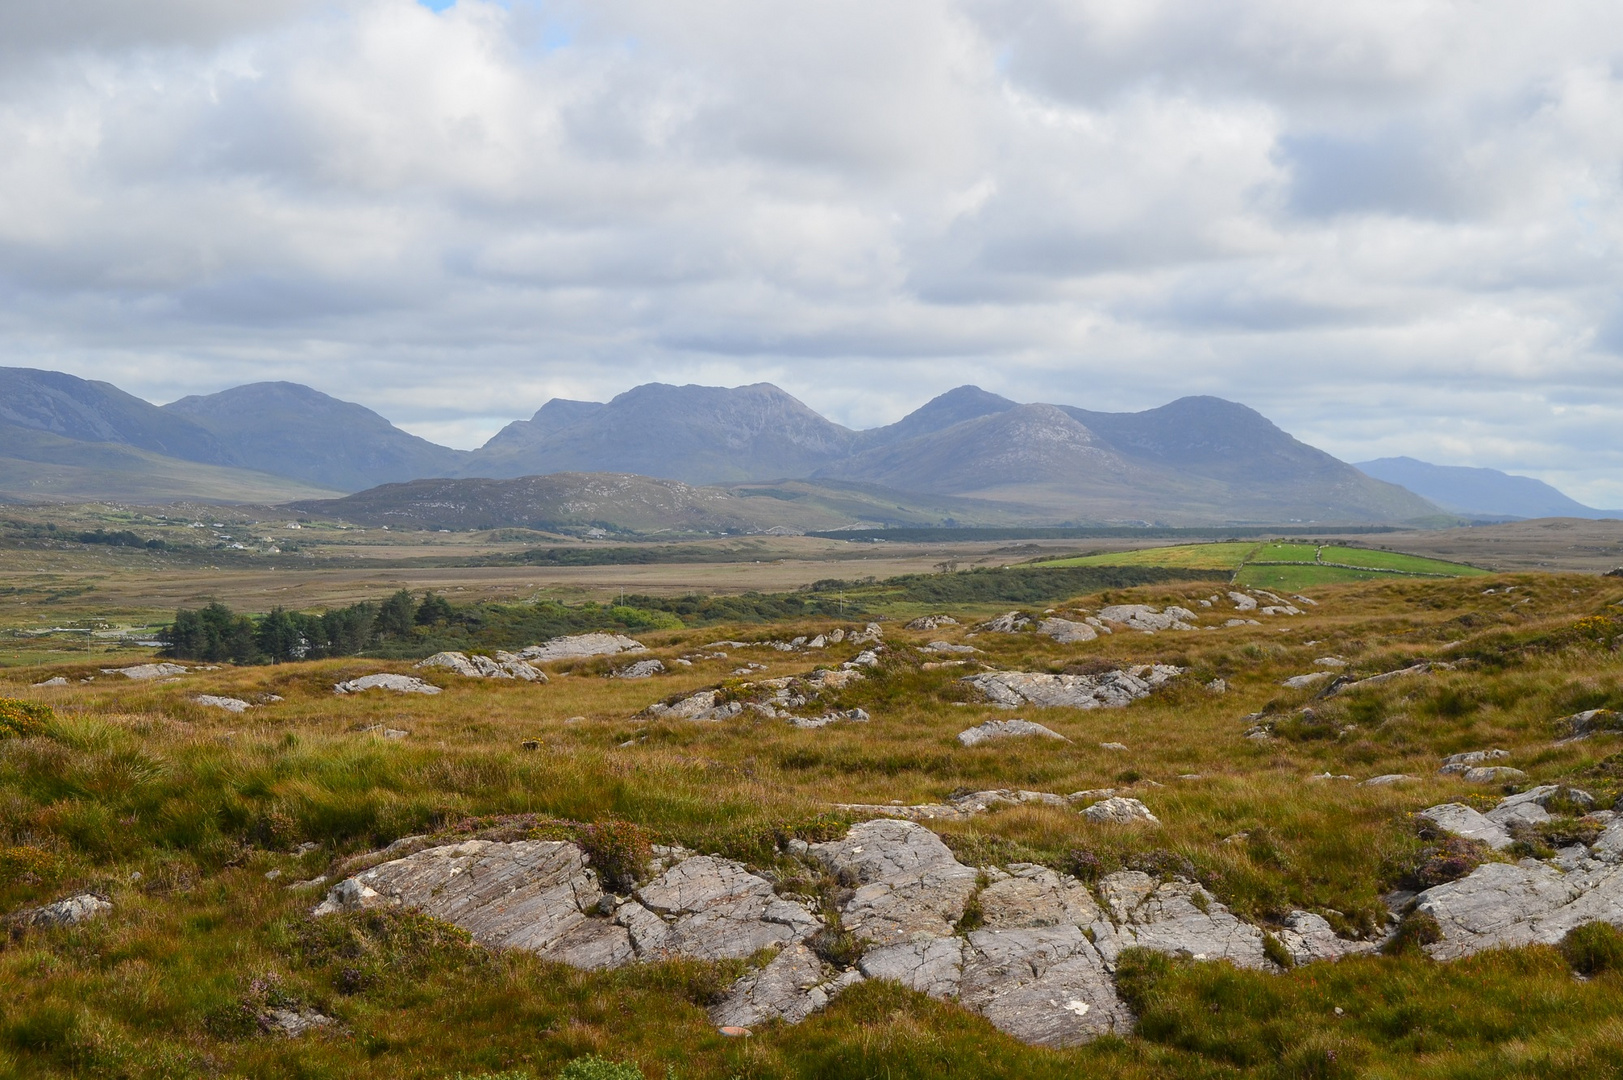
(1392,227)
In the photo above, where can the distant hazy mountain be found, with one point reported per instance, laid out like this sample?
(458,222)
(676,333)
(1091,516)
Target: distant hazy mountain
(1484,492)
(86,411)
(1197,459)
(298,432)
(696,434)
(943,411)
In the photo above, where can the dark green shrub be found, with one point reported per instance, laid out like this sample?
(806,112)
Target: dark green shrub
(1418,930)
(618,850)
(593,1067)
(1593,948)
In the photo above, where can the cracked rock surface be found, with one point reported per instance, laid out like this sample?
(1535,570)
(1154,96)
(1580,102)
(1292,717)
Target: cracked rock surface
(401,684)
(1005,729)
(505,665)
(1110,689)
(906,881)
(716,909)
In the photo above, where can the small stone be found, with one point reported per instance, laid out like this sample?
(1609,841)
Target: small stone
(732,1031)
(57,681)
(1112,746)
(1302,682)
(642,669)
(1386,779)
(229,704)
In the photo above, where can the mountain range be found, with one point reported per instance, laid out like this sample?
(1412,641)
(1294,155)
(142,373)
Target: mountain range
(1480,492)
(1197,460)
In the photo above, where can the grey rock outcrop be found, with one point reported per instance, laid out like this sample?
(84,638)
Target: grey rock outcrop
(1461,820)
(1530,902)
(907,883)
(504,665)
(704,705)
(143,672)
(294,1022)
(1046,986)
(580,647)
(403,684)
(792,987)
(1067,632)
(56,680)
(1176,917)
(1579,725)
(949,648)
(932,966)
(1006,729)
(1110,689)
(642,669)
(931,622)
(1243,602)
(68,912)
(715,909)
(1119,810)
(1011,623)
(1302,682)
(1458,763)
(1034,896)
(1310,938)
(535,895)
(1148,620)
(229,704)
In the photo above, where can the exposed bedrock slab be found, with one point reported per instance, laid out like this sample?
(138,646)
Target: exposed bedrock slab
(504,665)
(75,909)
(1147,619)
(716,909)
(1033,895)
(580,646)
(401,684)
(1109,689)
(1046,986)
(1309,937)
(792,987)
(1006,729)
(1500,904)
(1461,820)
(534,895)
(907,883)
(932,966)
(1177,917)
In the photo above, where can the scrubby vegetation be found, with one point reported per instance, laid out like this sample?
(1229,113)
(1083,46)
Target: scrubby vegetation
(194,822)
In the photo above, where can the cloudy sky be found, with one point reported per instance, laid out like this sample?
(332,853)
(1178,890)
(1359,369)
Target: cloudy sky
(1393,226)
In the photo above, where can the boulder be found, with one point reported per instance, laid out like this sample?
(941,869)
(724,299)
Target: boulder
(74,909)
(580,646)
(949,647)
(229,704)
(404,684)
(1242,602)
(906,881)
(1118,810)
(852,716)
(1302,682)
(55,681)
(1386,780)
(1492,774)
(1107,690)
(1472,757)
(1005,729)
(1067,632)
(715,909)
(704,705)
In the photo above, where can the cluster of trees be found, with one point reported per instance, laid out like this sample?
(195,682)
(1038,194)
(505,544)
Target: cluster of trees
(216,633)
(122,538)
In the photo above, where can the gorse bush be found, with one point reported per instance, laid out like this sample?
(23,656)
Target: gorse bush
(21,719)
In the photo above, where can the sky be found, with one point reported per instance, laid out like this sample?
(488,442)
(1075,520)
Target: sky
(1392,226)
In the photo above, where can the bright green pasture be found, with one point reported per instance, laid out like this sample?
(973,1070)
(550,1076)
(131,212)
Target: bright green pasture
(1229,555)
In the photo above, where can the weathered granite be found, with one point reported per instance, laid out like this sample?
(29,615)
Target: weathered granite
(1006,729)
(1109,689)
(1177,917)
(906,881)
(1046,986)
(581,646)
(716,909)
(404,684)
(792,987)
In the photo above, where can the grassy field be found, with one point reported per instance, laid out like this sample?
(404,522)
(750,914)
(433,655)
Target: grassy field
(179,812)
(1279,564)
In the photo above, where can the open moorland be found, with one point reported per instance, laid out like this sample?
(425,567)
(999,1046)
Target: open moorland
(568,852)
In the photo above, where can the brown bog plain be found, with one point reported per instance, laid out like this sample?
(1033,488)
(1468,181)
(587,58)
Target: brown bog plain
(193,821)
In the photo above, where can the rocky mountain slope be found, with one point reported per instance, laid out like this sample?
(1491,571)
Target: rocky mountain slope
(1482,492)
(301,433)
